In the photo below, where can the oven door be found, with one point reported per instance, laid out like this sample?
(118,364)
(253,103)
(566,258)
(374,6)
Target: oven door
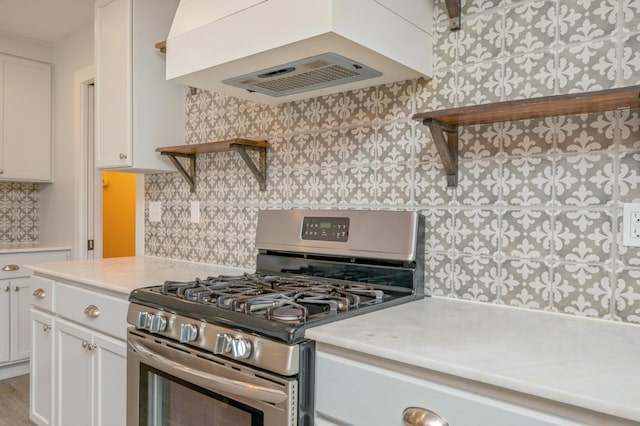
(169,384)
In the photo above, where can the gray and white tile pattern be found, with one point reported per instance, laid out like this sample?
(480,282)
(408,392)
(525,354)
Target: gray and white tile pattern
(536,219)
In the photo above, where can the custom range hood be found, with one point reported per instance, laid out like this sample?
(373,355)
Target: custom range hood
(276,51)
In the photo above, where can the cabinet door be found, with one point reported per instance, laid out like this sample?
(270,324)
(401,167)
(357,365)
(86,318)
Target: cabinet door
(110,385)
(26,119)
(131,86)
(73,374)
(5,321)
(20,318)
(41,378)
(113,26)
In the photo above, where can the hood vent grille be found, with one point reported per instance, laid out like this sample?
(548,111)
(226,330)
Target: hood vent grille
(317,72)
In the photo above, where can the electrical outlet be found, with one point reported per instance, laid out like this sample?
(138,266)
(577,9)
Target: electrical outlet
(631,225)
(195,212)
(155,211)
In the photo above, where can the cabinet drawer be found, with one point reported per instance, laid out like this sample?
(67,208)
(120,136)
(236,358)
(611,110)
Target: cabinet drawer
(42,293)
(345,389)
(76,305)
(12,265)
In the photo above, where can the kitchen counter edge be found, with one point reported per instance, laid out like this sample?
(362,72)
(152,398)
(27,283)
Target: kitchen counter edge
(122,274)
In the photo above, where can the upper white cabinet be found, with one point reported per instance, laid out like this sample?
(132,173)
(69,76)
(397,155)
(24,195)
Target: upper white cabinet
(137,110)
(25,120)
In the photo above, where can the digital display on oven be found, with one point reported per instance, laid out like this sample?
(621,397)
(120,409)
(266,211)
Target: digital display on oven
(325,229)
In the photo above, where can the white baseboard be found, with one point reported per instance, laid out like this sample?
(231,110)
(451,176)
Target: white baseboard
(13,370)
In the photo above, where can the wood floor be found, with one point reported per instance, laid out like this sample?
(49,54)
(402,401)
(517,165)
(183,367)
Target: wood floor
(14,401)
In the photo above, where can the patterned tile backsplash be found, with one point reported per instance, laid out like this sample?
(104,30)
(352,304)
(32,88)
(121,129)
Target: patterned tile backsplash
(536,219)
(19,209)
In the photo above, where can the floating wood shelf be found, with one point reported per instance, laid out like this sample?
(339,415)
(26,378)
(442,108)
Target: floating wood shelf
(446,122)
(241,146)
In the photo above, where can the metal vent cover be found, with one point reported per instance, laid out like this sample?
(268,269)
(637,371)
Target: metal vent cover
(316,72)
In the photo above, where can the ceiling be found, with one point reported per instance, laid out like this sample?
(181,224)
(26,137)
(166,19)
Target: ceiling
(44,21)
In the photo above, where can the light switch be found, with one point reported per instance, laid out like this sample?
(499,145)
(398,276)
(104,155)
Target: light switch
(195,212)
(155,211)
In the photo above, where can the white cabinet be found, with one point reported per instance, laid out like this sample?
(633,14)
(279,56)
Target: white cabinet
(15,301)
(355,391)
(137,110)
(90,373)
(20,324)
(41,389)
(85,362)
(73,372)
(25,120)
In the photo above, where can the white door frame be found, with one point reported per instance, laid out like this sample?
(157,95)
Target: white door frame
(82,80)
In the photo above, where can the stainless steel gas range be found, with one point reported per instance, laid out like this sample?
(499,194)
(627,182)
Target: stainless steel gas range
(230,350)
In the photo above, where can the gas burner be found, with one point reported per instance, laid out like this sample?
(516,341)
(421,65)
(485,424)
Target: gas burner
(288,313)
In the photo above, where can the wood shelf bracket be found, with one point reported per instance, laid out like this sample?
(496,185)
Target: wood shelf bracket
(454,9)
(190,175)
(259,171)
(447,147)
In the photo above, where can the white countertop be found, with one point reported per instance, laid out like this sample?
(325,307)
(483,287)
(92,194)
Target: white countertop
(123,274)
(30,247)
(588,363)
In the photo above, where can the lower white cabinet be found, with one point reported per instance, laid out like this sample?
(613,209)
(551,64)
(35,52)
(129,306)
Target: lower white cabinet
(350,391)
(14,331)
(91,384)
(15,302)
(78,369)
(41,389)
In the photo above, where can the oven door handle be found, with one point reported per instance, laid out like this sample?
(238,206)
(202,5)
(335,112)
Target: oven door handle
(213,382)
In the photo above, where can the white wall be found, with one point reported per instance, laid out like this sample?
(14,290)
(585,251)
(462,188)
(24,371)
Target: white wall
(26,49)
(57,201)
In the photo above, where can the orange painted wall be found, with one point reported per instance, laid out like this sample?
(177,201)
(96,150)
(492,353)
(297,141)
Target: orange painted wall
(118,214)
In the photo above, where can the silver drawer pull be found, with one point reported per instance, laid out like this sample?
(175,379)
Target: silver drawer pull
(46,327)
(92,311)
(417,416)
(40,293)
(9,268)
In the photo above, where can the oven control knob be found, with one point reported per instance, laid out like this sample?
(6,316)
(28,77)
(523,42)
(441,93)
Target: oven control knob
(241,348)
(144,321)
(158,323)
(188,333)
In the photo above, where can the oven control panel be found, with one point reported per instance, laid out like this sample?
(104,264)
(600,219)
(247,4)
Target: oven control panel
(325,228)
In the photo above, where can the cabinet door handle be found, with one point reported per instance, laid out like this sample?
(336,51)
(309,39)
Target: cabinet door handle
(417,416)
(9,268)
(46,327)
(88,345)
(123,156)
(7,288)
(16,288)
(92,311)
(40,293)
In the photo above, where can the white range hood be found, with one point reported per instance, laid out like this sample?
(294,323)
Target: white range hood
(276,51)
